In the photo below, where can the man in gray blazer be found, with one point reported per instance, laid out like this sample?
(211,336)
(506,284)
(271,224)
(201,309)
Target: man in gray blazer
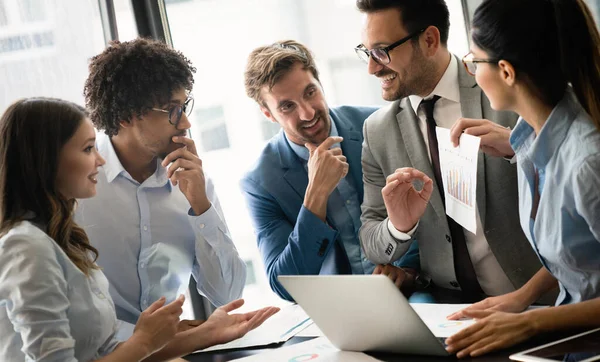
(405,46)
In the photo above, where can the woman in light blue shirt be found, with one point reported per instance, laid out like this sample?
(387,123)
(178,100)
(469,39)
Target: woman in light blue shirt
(54,300)
(541,59)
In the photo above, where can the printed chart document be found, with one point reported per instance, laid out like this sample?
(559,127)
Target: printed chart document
(434,316)
(318,349)
(279,328)
(458,166)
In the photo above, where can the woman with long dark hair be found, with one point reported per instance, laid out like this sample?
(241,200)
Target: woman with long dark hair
(541,59)
(54,300)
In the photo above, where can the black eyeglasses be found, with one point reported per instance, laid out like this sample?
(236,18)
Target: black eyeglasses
(177,111)
(470,63)
(382,55)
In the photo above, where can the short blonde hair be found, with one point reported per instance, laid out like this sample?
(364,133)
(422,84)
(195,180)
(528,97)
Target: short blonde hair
(268,64)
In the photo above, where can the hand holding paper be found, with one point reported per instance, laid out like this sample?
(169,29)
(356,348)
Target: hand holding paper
(494,137)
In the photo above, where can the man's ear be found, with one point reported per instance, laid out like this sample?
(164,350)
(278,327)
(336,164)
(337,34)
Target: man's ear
(267,113)
(125,124)
(507,72)
(129,123)
(432,38)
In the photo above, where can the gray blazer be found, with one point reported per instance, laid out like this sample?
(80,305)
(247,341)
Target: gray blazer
(392,139)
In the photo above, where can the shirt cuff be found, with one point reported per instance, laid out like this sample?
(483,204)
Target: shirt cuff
(207,221)
(397,234)
(512,159)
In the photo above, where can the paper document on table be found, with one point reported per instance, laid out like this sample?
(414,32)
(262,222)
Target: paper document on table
(318,349)
(434,316)
(279,328)
(310,331)
(458,166)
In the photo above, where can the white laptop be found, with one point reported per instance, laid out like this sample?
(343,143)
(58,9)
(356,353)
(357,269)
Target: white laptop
(363,313)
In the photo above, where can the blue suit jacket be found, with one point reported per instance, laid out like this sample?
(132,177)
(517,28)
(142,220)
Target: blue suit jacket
(291,239)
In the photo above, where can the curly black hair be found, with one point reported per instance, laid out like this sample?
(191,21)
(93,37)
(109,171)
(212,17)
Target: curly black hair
(129,78)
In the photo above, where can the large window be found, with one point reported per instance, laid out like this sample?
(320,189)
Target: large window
(125,20)
(3,15)
(210,131)
(218,35)
(45,46)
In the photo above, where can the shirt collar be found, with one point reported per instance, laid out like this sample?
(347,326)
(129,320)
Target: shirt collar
(113,167)
(446,88)
(302,151)
(541,148)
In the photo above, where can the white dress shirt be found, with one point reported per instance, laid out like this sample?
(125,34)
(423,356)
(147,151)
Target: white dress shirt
(49,310)
(150,241)
(447,110)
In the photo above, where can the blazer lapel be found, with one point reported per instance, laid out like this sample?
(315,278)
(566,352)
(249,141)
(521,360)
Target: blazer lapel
(295,174)
(414,144)
(470,104)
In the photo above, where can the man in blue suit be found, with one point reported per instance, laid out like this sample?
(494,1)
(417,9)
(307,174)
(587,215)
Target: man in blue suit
(305,191)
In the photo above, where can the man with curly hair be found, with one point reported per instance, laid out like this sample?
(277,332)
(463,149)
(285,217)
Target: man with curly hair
(156,219)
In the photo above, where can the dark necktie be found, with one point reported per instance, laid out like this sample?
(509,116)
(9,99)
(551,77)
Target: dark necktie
(465,273)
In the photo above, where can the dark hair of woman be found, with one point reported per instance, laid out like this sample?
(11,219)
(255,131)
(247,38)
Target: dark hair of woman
(32,134)
(550,43)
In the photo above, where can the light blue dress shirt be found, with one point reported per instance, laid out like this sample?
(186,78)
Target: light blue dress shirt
(49,310)
(150,242)
(566,231)
(343,208)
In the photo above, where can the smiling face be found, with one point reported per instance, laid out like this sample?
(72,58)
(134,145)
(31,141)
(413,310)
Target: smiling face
(78,164)
(297,103)
(497,81)
(409,71)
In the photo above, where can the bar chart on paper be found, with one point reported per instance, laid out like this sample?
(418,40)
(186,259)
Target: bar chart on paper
(459,185)
(458,166)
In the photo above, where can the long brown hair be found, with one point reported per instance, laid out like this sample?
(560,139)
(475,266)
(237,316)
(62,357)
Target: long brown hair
(32,133)
(551,44)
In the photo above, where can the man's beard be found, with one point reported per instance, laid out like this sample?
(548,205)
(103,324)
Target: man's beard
(417,79)
(323,117)
(171,146)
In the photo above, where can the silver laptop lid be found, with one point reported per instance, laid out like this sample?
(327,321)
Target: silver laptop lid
(363,313)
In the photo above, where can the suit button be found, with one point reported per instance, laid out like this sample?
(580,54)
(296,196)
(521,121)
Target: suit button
(448,238)
(454,284)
